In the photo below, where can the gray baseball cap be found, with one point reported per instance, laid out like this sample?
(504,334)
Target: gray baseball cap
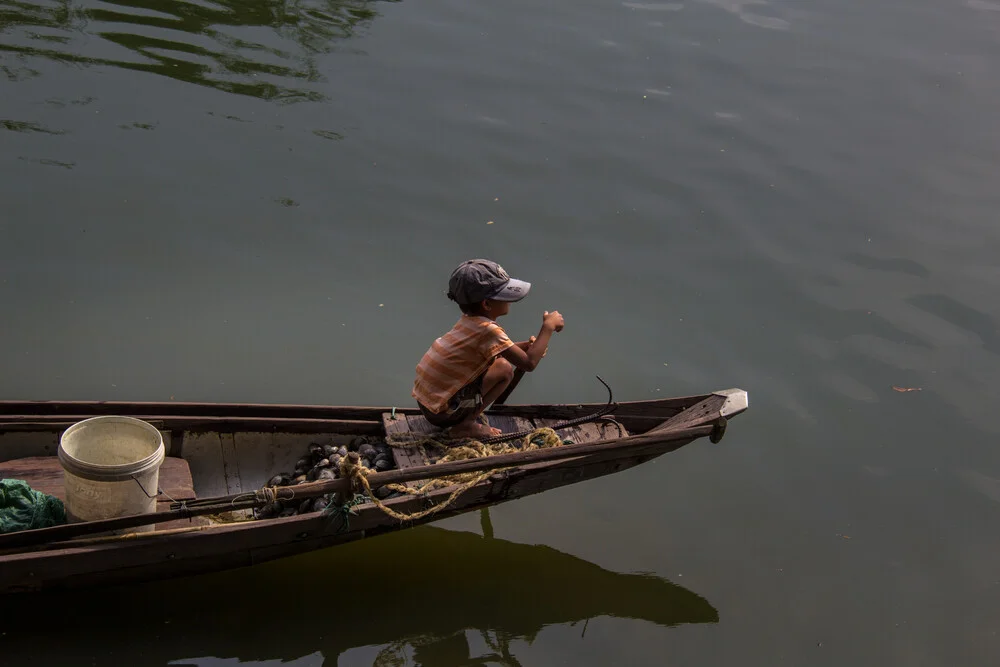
(478,279)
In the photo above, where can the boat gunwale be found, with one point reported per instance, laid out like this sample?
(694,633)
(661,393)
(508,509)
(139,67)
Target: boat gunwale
(24,416)
(266,410)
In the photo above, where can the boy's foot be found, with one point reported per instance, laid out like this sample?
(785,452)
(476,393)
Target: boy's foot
(473,430)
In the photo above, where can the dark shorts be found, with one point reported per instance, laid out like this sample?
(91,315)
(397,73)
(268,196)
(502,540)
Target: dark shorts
(464,403)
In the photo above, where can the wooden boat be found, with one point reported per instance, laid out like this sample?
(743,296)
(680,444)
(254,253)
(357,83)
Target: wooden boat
(229,450)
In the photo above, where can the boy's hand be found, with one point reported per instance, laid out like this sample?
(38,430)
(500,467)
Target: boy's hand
(553,321)
(531,341)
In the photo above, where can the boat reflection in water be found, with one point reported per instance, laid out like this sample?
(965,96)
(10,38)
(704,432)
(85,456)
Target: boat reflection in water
(260,48)
(414,597)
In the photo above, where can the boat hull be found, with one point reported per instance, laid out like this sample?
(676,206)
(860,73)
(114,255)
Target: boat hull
(250,543)
(263,437)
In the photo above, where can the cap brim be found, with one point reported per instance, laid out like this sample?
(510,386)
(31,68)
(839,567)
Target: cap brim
(514,290)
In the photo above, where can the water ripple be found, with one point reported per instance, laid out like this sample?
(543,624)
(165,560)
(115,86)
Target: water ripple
(983,5)
(655,6)
(738,7)
(259,48)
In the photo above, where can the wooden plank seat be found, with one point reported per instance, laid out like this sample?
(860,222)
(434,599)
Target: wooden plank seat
(43,473)
(417,427)
(589,432)
(509,423)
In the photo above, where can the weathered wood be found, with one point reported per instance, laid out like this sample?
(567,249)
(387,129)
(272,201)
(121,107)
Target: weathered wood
(45,474)
(662,408)
(704,412)
(235,545)
(405,457)
(582,433)
(509,423)
(636,424)
(230,464)
(419,424)
(613,428)
(219,424)
(25,424)
(579,434)
(654,432)
(184,409)
(164,506)
(421,428)
(314,489)
(45,410)
(126,537)
(227,546)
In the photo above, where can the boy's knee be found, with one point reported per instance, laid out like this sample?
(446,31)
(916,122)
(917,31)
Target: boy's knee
(504,369)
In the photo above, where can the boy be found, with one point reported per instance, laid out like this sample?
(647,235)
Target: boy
(468,368)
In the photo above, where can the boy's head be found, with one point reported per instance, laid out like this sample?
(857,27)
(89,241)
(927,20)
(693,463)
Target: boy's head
(479,280)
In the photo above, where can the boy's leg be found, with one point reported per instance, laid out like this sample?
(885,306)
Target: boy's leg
(496,379)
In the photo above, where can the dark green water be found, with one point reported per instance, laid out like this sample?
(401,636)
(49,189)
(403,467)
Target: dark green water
(261,201)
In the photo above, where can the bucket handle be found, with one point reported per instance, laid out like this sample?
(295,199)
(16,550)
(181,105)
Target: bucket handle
(159,492)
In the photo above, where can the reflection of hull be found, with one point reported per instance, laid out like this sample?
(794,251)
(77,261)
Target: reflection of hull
(423,587)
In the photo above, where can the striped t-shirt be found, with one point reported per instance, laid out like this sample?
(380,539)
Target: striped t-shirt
(457,358)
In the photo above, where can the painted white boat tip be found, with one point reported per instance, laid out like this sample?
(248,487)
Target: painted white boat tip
(737,401)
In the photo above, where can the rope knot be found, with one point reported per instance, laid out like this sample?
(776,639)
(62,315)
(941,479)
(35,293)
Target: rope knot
(351,468)
(268,494)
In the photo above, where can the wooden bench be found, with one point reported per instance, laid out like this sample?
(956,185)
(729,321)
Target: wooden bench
(43,473)
(418,427)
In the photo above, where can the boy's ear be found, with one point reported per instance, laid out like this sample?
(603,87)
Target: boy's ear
(485,305)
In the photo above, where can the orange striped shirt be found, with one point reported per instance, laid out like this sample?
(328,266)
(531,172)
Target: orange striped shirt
(457,358)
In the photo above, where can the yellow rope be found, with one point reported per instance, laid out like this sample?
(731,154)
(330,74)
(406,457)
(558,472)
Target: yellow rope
(469,449)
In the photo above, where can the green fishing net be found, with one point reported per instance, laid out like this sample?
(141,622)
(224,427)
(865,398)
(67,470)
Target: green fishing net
(23,508)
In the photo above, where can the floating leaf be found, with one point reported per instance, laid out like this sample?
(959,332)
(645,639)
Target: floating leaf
(22,126)
(329,134)
(895,388)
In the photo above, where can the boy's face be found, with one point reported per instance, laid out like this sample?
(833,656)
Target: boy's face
(497,308)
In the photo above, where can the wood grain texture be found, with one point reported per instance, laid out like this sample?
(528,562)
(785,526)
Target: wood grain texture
(43,473)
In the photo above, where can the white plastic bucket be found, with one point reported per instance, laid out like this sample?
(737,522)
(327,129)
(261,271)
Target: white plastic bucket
(111,468)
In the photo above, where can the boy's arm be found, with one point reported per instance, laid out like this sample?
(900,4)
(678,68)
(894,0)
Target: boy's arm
(528,359)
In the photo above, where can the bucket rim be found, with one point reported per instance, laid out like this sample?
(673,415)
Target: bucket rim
(116,472)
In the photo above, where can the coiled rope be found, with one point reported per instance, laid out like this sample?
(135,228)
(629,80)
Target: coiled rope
(352,469)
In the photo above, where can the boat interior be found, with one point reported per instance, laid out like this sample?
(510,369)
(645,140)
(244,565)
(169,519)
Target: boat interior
(210,455)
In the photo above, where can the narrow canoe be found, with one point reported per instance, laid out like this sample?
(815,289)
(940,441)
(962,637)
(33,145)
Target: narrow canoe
(216,450)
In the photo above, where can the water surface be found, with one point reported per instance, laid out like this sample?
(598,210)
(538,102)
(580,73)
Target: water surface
(261,201)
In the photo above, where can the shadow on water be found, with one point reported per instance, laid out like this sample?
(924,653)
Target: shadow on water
(247,47)
(413,593)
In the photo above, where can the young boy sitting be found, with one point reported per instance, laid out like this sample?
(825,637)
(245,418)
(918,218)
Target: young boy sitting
(469,367)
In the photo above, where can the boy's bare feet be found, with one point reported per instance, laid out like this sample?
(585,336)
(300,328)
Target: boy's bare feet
(473,429)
